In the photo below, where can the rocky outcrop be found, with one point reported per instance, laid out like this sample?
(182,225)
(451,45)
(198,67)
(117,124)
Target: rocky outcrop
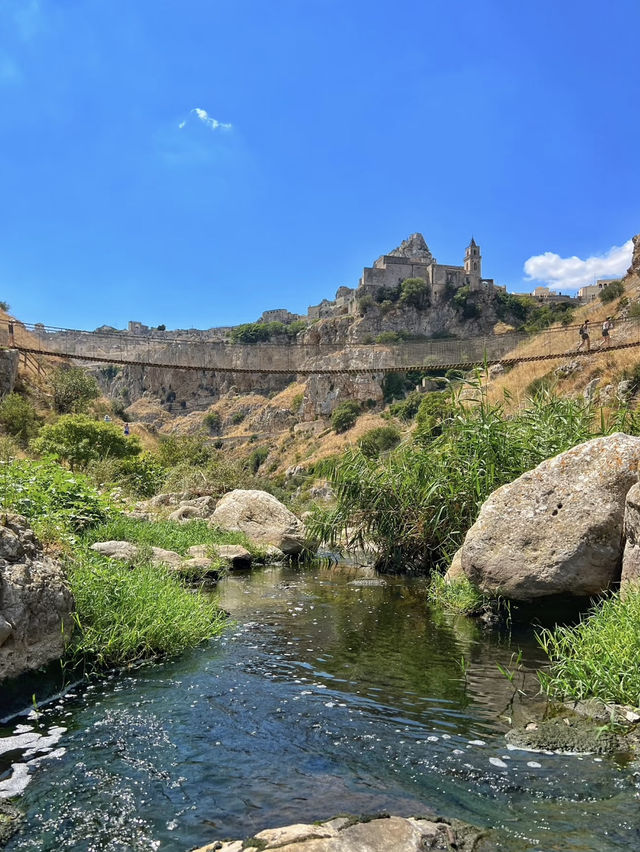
(631,555)
(35,601)
(347,834)
(634,269)
(558,529)
(262,518)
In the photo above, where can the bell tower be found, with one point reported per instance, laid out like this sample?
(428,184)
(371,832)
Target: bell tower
(473,265)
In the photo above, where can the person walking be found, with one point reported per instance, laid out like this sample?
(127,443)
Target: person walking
(607,325)
(585,340)
(126,428)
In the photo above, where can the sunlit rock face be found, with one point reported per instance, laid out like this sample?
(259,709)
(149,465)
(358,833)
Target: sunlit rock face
(35,601)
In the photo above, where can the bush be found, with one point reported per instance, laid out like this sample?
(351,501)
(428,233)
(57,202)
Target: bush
(142,476)
(393,386)
(391,337)
(634,310)
(183,449)
(258,332)
(238,417)
(379,440)
(212,421)
(365,302)
(40,490)
(434,412)
(345,415)
(5,306)
(18,418)
(73,390)
(256,458)
(599,656)
(611,291)
(296,402)
(408,408)
(415,292)
(78,440)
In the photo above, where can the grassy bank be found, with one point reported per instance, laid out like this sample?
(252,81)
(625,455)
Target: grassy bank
(599,656)
(123,615)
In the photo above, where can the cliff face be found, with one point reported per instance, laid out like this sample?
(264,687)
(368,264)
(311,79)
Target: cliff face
(634,269)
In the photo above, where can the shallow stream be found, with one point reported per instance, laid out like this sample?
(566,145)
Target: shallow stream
(322,698)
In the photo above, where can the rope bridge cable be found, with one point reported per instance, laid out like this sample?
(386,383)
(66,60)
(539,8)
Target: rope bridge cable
(332,371)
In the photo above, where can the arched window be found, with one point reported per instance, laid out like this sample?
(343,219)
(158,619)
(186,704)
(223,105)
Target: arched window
(475,265)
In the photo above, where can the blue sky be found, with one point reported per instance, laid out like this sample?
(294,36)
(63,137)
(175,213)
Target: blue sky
(193,162)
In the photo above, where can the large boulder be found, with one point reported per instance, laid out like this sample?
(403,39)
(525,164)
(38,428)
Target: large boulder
(262,518)
(631,555)
(35,601)
(558,529)
(352,834)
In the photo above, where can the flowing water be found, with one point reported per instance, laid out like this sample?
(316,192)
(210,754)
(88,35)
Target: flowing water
(322,698)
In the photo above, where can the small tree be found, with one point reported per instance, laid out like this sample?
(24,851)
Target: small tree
(379,440)
(415,292)
(18,418)
(611,291)
(345,415)
(73,390)
(78,440)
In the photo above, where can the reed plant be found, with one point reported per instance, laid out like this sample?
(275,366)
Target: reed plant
(414,505)
(599,655)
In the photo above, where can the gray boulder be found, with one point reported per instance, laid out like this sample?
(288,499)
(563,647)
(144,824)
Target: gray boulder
(556,530)
(128,552)
(35,601)
(234,555)
(262,518)
(631,555)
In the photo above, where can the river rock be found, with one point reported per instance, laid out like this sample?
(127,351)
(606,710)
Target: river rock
(262,518)
(128,552)
(185,513)
(347,834)
(35,601)
(556,530)
(234,554)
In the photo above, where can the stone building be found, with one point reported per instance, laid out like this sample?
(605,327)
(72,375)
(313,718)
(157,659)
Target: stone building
(412,259)
(279,315)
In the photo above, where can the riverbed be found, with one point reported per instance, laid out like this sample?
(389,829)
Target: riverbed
(322,697)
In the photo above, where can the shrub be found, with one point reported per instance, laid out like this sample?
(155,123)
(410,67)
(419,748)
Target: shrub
(365,302)
(238,417)
(141,475)
(183,449)
(634,310)
(391,337)
(257,457)
(611,291)
(408,408)
(393,387)
(41,490)
(434,412)
(73,390)
(296,402)
(345,415)
(78,440)
(415,292)
(212,421)
(18,418)
(4,306)
(257,332)
(379,440)
(161,327)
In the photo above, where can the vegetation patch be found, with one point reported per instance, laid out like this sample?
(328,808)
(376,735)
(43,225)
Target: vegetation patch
(599,656)
(169,535)
(345,415)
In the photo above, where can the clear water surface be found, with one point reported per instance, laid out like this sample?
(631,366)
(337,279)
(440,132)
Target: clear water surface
(322,698)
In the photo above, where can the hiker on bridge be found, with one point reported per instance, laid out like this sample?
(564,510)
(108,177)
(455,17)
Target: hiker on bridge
(584,336)
(607,325)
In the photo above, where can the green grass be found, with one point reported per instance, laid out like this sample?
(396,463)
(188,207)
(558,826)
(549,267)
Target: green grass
(599,656)
(169,535)
(125,616)
(459,595)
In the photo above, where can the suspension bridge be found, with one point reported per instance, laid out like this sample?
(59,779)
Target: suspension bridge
(192,351)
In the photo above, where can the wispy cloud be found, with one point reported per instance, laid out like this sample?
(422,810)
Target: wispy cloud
(568,273)
(205,118)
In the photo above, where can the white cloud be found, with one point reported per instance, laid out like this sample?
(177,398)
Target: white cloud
(205,118)
(568,273)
